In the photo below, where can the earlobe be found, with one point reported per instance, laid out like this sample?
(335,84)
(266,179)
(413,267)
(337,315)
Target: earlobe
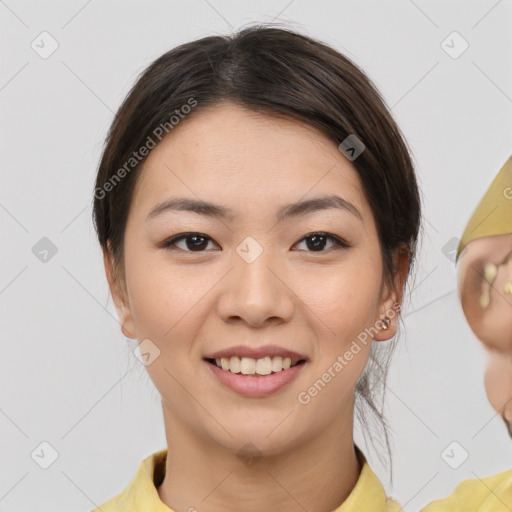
(386,327)
(120,300)
(385,323)
(391,300)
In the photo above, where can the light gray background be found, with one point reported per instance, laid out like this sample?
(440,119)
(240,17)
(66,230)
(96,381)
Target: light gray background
(69,376)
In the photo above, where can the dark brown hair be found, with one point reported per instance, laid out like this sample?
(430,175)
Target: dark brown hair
(278,72)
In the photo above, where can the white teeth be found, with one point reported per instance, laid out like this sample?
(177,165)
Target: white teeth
(234,364)
(277,364)
(264,366)
(248,366)
(251,366)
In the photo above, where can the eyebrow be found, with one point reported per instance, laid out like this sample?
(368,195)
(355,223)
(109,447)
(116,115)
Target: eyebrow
(290,210)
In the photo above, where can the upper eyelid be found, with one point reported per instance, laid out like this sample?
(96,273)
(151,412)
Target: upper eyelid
(337,241)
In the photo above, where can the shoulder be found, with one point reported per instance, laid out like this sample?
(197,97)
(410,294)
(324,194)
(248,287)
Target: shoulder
(369,493)
(112,505)
(141,493)
(493,493)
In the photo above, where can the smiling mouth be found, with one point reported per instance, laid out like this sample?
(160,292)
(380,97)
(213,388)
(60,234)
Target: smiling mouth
(255,367)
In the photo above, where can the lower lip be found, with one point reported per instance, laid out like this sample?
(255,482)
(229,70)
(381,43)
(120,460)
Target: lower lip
(256,386)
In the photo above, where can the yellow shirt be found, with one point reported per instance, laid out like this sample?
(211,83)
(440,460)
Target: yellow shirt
(490,494)
(141,494)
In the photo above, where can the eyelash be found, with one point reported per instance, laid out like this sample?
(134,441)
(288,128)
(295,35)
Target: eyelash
(338,242)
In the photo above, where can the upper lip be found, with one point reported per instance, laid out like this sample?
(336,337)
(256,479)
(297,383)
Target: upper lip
(256,352)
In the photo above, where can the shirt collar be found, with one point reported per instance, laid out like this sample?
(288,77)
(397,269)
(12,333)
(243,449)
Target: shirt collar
(142,495)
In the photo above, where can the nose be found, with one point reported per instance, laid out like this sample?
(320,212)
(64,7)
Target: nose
(256,290)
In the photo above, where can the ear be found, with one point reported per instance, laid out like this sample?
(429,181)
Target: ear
(392,295)
(118,295)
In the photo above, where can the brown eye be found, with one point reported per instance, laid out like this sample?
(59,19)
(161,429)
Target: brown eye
(194,242)
(197,242)
(316,242)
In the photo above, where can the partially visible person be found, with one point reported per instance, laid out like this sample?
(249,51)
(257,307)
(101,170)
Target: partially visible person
(484,264)
(484,261)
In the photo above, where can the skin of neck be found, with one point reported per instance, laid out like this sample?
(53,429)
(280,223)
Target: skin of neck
(316,475)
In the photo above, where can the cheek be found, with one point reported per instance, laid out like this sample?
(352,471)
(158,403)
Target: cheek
(168,308)
(329,390)
(344,300)
(164,298)
(344,303)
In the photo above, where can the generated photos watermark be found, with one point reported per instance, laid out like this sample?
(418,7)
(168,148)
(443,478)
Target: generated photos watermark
(304,397)
(137,156)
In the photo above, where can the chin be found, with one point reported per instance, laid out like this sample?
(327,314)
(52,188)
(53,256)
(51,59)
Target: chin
(255,442)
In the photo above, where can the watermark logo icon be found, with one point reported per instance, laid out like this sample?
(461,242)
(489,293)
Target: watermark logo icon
(249,455)
(454,45)
(352,147)
(44,45)
(44,455)
(249,249)
(449,249)
(454,455)
(44,250)
(146,352)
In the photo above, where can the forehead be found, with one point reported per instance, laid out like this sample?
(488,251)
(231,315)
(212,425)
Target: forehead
(243,158)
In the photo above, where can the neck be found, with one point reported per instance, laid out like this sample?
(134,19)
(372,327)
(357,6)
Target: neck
(316,475)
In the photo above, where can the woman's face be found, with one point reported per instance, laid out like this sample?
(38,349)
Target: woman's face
(252,279)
